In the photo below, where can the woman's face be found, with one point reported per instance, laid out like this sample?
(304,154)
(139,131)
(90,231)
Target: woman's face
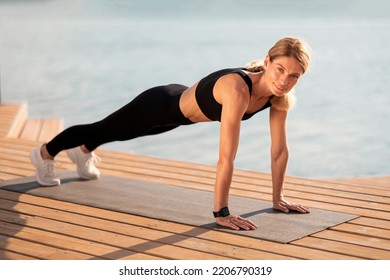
(282,74)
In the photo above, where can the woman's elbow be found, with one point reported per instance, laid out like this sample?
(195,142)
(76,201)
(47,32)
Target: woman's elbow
(281,153)
(225,162)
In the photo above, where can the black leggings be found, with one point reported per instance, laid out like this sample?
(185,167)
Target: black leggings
(154,111)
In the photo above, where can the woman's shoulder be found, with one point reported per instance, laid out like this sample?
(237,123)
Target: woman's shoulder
(224,71)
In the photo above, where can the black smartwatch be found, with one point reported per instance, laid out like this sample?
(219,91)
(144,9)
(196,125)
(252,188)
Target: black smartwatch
(224,212)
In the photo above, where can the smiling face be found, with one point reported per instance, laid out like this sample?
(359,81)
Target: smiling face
(282,74)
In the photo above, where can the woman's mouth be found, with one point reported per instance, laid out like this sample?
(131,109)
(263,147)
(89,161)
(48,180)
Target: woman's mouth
(282,90)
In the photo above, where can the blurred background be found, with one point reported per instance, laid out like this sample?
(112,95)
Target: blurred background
(82,59)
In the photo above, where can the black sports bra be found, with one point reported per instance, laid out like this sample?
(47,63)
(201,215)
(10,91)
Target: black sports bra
(205,98)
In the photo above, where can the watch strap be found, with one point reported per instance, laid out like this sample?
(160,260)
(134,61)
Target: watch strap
(224,212)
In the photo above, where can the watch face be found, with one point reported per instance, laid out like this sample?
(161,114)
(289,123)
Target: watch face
(225,212)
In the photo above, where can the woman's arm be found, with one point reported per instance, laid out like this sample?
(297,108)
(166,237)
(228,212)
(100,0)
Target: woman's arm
(235,103)
(279,158)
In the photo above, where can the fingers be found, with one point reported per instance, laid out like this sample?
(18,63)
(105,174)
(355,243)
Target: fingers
(303,209)
(299,208)
(236,223)
(231,224)
(245,223)
(286,207)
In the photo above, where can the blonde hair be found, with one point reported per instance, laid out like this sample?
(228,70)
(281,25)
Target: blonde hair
(291,47)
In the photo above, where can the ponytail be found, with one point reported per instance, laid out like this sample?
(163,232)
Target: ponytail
(255,66)
(285,102)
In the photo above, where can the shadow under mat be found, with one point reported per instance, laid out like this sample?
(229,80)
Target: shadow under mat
(178,204)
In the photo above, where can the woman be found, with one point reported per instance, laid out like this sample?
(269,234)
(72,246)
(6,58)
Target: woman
(228,96)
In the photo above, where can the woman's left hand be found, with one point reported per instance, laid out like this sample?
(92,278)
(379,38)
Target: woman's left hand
(285,206)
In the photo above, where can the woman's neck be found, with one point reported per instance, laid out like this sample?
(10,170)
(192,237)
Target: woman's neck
(260,88)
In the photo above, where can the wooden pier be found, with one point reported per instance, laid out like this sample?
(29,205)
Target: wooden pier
(32,227)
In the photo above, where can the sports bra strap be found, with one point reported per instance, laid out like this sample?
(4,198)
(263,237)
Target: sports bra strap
(247,80)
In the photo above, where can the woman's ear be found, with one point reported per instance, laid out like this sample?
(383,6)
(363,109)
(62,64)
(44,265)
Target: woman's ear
(267,61)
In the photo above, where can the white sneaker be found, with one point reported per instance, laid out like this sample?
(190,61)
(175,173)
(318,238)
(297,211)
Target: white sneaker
(45,169)
(85,163)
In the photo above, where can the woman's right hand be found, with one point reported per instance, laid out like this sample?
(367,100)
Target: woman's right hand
(236,223)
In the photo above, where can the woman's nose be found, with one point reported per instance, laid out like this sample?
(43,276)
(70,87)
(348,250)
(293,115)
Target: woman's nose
(284,80)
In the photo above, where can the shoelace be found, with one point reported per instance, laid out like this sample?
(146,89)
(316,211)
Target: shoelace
(49,168)
(91,158)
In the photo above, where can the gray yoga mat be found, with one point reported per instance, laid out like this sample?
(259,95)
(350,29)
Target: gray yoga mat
(178,204)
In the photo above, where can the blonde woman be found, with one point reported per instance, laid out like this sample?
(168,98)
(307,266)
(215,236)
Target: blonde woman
(228,96)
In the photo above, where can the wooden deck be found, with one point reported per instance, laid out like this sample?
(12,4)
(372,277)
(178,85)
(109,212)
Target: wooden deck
(39,228)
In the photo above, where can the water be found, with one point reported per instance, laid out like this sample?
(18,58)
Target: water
(81,60)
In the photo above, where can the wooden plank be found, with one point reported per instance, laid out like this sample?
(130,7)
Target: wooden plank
(16,171)
(363,230)
(17,144)
(50,128)
(31,130)
(15,124)
(18,163)
(375,181)
(382,224)
(18,121)
(10,162)
(6,176)
(12,118)
(344,248)
(69,243)
(349,238)
(8,255)
(370,203)
(39,251)
(23,156)
(328,184)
